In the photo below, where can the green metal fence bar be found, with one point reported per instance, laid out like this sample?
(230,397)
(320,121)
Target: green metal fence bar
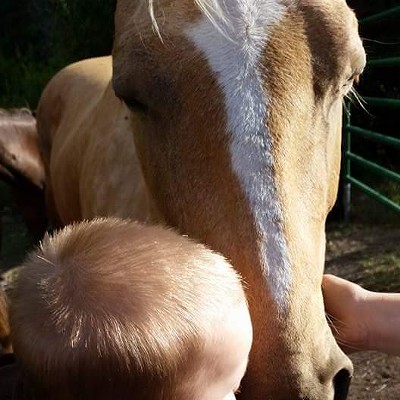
(382,102)
(373,166)
(375,136)
(373,193)
(350,158)
(384,15)
(384,62)
(346,162)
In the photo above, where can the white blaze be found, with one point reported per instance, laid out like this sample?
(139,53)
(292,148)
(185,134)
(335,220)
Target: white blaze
(233,47)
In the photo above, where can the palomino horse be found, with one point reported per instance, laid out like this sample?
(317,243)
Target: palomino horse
(226,125)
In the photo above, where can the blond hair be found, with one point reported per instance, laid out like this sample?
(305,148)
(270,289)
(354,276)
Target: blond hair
(110,308)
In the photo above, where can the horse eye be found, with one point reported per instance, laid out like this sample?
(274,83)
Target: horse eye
(355,77)
(135,105)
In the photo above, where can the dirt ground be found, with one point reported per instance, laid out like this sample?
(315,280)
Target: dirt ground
(370,256)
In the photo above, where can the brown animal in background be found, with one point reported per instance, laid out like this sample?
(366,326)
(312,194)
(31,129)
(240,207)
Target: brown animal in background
(21,166)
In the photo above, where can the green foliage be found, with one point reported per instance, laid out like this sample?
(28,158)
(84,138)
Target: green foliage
(38,37)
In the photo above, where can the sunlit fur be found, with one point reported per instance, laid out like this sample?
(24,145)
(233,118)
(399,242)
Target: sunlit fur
(229,129)
(110,308)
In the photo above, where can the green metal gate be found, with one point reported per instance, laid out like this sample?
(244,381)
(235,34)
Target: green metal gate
(391,65)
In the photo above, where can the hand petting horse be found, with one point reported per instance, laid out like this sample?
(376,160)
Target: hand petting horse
(222,119)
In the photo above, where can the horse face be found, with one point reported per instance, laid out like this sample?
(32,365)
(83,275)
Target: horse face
(236,114)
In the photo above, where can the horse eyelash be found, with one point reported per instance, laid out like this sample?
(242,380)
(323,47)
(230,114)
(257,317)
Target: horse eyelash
(355,98)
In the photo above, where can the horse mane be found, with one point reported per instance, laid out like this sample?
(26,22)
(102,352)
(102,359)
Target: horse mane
(210,8)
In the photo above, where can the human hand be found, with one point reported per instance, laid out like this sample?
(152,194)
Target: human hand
(345,307)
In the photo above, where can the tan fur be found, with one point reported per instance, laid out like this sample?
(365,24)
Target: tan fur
(182,143)
(79,113)
(111,308)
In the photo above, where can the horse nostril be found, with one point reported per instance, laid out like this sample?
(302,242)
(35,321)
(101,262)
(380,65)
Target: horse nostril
(341,383)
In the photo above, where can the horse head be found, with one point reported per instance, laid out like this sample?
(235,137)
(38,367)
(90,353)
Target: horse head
(236,108)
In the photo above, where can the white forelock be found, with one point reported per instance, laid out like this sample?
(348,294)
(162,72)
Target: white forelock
(235,57)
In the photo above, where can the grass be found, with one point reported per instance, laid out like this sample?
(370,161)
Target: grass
(382,272)
(368,254)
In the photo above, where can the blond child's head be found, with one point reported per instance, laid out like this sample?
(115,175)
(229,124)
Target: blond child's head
(111,309)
